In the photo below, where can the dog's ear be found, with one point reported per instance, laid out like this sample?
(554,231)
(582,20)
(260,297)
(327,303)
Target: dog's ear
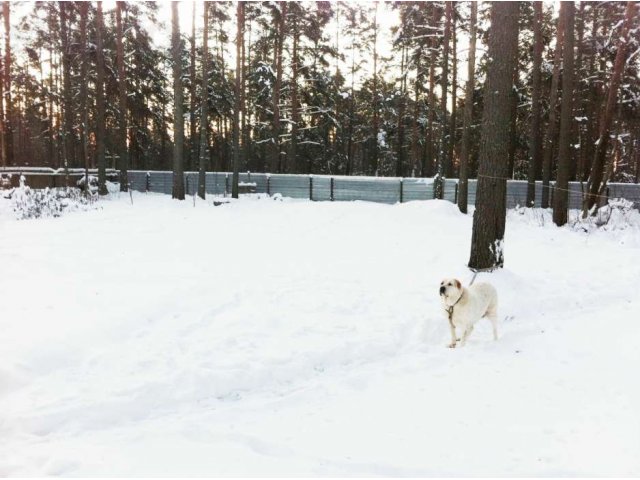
(458,284)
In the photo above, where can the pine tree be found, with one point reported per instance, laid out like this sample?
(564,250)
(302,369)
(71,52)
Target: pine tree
(490,214)
(178,108)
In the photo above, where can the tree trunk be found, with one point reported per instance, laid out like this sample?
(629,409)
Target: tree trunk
(561,195)
(454,94)
(489,218)
(374,93)
(295,107)
(236,109)
(551,126)
(122,104)
(69,141)
(431,100)
(463,185)
(84,112)
(8,119)
(276,154)
(415,150)
(535,149)
(596,185)
(204,105)
(100,104)
(443,157)
(178,108)
(401,109)
(193,142)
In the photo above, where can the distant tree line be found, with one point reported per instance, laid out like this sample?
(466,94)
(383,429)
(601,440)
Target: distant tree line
(92,89)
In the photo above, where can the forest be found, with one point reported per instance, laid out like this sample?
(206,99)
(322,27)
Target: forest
(301,87)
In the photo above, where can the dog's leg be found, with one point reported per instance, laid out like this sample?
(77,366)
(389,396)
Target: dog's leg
(466,333)
(453,336)
(492,315)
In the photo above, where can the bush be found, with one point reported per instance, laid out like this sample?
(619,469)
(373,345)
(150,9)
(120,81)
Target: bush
(50,202)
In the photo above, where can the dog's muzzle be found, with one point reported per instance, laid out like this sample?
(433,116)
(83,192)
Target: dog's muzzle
(442,290)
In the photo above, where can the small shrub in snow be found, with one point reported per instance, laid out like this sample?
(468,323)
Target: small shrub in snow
(618,214)
(50,202)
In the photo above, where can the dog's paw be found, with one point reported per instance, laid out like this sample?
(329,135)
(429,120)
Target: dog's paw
(451,345)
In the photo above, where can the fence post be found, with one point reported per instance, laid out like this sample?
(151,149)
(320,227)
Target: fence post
(268,184)
(401,190)
(311,187)
(455,197)
(146,183)
(226,184)
(331,193)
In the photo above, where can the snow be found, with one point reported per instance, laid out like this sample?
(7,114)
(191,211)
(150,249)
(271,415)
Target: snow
(288,337)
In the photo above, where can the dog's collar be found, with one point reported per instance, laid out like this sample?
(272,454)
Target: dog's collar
(450,309)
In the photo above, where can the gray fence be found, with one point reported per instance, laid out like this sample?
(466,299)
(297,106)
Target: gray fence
(373,189)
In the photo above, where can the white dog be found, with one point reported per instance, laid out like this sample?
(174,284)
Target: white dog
(465,306)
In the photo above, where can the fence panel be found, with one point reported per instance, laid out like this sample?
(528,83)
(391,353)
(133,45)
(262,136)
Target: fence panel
(294,186)
(372,189)
(137,181)
(449,191)
(417,189)
(161,182)
(382,190)
(321,188)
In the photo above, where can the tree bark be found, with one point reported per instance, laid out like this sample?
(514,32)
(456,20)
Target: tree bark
(561,195)
(178,108)
(193,139)
(236,109)
(100,103)
(122,104)
(295,107)
(463,184)
(204,105)
(8,118)
(69,141)
(443,157)
(596,185)
(374,99)
(535,149)
(490,215)
(276,162)
(454,94)
(84,112)
(551,126)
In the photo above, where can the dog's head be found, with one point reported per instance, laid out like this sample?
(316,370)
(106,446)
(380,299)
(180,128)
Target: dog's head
(450,291)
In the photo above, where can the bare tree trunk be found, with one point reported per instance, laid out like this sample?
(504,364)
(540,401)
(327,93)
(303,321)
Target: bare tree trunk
(376,121)
(535,149)
(84,112)
(276,162)
(236,109)
(431,99)
(551,126)
(3,145)
(204,118)
(100,104)
(193,142)
(489,218)
(401,110)
(69,141)
(295,107)
(454,94)
(122,104)
(8,119)
(415,151)
(443,156)
(178,108)
(463,185)
(596,185)
(561,195)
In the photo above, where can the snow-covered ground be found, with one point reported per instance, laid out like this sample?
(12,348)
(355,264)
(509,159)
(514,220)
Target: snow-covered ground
(270,337)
